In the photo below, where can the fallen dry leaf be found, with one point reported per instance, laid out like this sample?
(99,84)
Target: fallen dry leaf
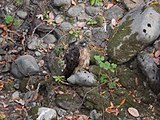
(41,63)
(40,16)
(4,28)
(114,109)
(20,101)
(134,112)
(79,24)
(1,84)
(2,116)
(4,105)
(15,95)
(113,23)
(109,5)
(51,16)
(157,53)
(73,2)
(122,102)
(156,60)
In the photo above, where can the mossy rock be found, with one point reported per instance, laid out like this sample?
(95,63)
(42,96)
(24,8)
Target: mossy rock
(33,113)
(68,101)
(99,20)
(127,77)
(93,100)
(137,30)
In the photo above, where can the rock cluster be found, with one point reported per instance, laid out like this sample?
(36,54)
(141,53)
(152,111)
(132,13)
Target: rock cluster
(35,35)
(136,31)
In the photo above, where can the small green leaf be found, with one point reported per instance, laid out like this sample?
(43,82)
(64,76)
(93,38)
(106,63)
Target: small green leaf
(102,65)
(103,79)
(114,65)
(16,22)
(102,58)
(97,57)
(92,2)
(112,85)
(9,19)
(58,78)
(71,32)
(112,70)
(107,65)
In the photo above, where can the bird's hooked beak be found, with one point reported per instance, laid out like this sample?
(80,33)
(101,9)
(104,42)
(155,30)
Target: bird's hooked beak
(83,43)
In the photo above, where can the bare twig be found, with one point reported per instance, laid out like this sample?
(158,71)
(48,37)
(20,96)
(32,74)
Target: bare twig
(63,36)
(48,33)
(89,92)
(14,32)
(23,40)
(85,96)
(36,28)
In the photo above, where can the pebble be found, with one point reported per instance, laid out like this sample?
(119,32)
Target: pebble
(50,39)
(134,4)
(66,26)
(114,12)
(60,3)
(59,19)
(25,65)
(22,14)
(82,78)
(37,53)
(34,43)
(99,35)
(75,10)
(1,39)
(94,115)
(0,57)
(5,68)
(45,113)
(92,11)
(60,111)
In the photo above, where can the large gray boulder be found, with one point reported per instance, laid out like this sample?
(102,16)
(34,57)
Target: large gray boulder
(25,65)
(137,29)
(150,70)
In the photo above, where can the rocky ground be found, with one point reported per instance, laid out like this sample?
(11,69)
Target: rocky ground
(120,40)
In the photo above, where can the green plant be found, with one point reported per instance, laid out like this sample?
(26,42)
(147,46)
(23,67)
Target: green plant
(58,49)
(61,62)
(105,65)
(91,21)
(111,84)
(59,79)
(103,78)
(74,33)
(10,19)
(19,2)
(95,2)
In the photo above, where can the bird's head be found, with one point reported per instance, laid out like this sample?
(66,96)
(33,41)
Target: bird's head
(80,43)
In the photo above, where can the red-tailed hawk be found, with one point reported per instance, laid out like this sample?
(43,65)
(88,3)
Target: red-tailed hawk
(76,58)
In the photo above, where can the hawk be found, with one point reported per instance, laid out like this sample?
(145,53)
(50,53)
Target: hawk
(76,58)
